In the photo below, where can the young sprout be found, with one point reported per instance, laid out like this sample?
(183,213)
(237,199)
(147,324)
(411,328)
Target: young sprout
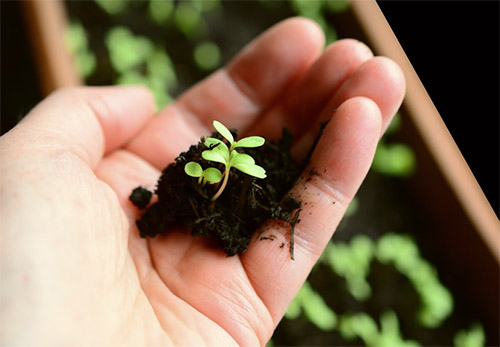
(229,157)
(211,175)
(220,153)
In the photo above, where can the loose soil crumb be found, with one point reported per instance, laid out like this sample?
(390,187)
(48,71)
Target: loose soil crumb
(270,237)
(140,197)
(245,204)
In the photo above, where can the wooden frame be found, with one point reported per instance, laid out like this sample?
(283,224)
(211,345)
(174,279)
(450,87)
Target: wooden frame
(46,22)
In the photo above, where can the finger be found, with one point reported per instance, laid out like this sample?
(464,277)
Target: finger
(88,122)
(236,95)
(379,79)
(310,95)
(340,163)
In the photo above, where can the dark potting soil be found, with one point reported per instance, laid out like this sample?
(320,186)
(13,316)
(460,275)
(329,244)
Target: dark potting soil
(245,204)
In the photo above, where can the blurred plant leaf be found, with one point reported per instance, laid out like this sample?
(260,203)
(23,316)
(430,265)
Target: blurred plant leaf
(402,252)
(363,326)
(207,55)
(394,125)
(352,208)
(207,5)
(127,50)
(337,6)
(358,325)
(314,308)
(161,68)
(396,160)
(306,8)
(112,7)
(352,261)
(474,337)
(187,18)
(77,43)
(160,10)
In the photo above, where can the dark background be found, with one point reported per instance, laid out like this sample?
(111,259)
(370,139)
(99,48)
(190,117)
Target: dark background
(453,46)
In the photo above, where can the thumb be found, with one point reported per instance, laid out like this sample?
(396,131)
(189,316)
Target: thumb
(88,121)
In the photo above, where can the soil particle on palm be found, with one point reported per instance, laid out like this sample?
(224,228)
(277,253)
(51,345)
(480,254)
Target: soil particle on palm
(246,203)
(140,197)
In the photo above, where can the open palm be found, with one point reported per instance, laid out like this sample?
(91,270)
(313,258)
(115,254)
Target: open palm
(78,271)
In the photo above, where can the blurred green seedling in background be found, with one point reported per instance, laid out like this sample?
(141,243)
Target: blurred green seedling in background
(161,11)
(470,338)
(112,7)
(317,11)
(207,55)
(77,42)
(126,50)
(138,61)
(403,253)
(352,261)
(363,326)
(314,308)
(394,159)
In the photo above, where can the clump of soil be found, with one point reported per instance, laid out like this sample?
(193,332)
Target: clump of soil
(245,204)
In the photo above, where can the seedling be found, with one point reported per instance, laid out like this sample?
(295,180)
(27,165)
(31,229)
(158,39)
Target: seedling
(219,152)
(210,175)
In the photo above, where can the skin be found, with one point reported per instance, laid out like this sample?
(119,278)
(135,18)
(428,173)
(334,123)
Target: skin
(75,271)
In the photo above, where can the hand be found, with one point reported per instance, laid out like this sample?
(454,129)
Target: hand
(75,271)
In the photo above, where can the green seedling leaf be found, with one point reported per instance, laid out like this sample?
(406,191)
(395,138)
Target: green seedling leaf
(211,141)
(222,150)
(233,154)
(213,156)
(250,142)
(252,170)
(193,169)
(218,147)
(212,175)
(220,153)
(241,158)
(223,131)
